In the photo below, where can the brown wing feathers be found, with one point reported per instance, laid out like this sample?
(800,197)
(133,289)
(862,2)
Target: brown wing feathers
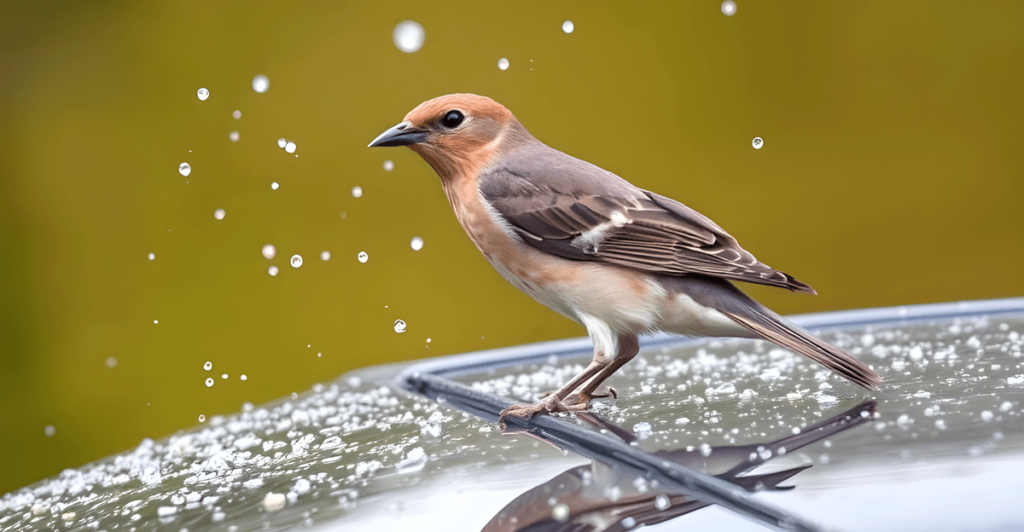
(557,199)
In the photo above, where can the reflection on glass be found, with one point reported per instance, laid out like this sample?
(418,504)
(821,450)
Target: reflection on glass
(599,498)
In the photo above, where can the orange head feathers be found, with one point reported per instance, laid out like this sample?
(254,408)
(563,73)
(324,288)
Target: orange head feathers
(457,134)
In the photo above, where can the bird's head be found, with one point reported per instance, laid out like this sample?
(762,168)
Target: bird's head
(456,134)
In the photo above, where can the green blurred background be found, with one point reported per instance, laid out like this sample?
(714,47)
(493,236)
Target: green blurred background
(891,174)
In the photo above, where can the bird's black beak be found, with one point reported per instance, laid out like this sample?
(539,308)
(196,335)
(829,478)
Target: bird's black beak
(403,134)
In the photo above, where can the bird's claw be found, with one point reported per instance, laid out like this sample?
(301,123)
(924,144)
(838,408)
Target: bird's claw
(549,404)
(584,399)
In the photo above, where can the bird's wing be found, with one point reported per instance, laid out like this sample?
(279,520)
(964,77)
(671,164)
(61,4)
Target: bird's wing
(575,210)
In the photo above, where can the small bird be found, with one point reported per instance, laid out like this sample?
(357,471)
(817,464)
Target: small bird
(589,245)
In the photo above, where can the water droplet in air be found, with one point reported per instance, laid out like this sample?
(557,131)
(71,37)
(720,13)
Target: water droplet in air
(503,64)
(269,251)
(274,185)
(233,136)
(560,512)
(363,257)
(208,366)
(389,166)
(260,83)
(296,261)
(325,255)
(661,502)
(399,326)
(290,147)
(568,26)
(408,36)
(184,169)
(202,418)
(237,114)
(281,143)
(272,271)
(219,214)
(49,431)
(209,382)
(757,143)
(152,256)
(243,377)
(417,243)
(111,362)
(357,192)
(224,376)
(203,94)
(728,8)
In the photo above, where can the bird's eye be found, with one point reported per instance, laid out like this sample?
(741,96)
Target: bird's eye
(452,119)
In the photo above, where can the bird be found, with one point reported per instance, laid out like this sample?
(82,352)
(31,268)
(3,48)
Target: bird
(591,246)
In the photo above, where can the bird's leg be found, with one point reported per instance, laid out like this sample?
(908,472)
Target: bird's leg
(576,381)
(628,347)
(553,402)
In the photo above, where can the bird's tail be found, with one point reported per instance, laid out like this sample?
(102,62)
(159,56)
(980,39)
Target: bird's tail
(764,323)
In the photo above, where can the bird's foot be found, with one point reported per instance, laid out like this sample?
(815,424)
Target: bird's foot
(549,404)
(584,399)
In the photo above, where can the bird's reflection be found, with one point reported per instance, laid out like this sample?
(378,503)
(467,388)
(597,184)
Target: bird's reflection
(599,498)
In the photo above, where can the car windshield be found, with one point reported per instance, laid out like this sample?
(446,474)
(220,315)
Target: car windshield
(362,452)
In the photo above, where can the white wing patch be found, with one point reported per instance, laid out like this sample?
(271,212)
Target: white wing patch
(590,240)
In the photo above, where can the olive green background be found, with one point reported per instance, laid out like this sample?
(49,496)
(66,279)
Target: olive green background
(891,174)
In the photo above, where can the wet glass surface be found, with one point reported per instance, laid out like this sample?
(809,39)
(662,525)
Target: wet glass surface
(944,452)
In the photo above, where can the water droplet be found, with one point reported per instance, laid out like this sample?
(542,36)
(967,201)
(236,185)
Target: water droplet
(416,244)
(568,26)
(296,261)
(203,94)
(233,136)
(272,271)
(357,192)
(705,449)
(243,377)
(224,376)
(50,430)
(757,143)
(209,382)
(269,251)
(399,326)
(202,418)
(503,64)
(661,502)
(282,142)
(111,362)
(219,214)
(325,255)
(156,321)
(274,185)
(152,256)
(389,166)
(290,147)
(628,523)
(363,257)
(184,169)
(237,114)
(208,366)
(560,512)
(260,83)
(728,8)
(408,36)
(642,430)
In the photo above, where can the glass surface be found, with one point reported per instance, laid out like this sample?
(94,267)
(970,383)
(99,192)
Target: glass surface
(945,450)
